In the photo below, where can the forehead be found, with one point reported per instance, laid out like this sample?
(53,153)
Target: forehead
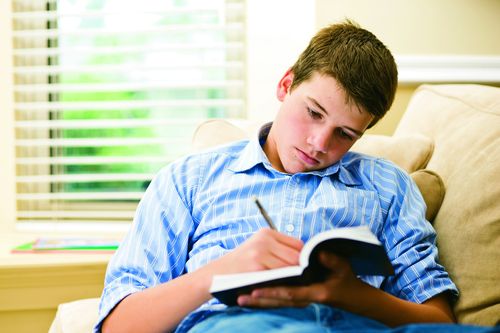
(326,94)
(325,89)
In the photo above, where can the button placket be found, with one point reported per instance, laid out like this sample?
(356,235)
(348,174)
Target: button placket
(288,213)
(296,195)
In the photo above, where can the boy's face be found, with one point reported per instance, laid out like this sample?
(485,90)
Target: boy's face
(315,125)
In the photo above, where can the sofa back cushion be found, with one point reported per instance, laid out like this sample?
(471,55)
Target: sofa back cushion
(410,152)
(213,132)
(464,123)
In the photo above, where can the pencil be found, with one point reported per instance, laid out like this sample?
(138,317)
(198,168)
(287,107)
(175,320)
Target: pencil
(264,213)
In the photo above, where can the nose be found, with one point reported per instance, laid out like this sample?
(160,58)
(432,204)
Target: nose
(320,140)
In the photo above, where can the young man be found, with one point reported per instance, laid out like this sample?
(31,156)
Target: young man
(196,219)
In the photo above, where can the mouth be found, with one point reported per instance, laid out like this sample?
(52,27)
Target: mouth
(307,158)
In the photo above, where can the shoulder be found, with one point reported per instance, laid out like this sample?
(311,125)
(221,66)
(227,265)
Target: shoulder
(184,176)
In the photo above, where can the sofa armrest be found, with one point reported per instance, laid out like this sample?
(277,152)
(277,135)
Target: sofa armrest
(76,317)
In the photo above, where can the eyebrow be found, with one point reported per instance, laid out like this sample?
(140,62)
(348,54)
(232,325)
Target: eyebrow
(319,106)
(315,102)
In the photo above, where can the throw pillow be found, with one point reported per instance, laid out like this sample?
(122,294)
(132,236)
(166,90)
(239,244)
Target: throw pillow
(410,152)
(432,188)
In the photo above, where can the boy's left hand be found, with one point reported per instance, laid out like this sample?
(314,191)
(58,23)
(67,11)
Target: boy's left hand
(335,290)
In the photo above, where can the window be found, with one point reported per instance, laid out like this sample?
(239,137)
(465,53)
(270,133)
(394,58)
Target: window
(109,91)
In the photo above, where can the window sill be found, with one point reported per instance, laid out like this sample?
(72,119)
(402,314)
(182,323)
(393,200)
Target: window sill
(10,260)
(33,285)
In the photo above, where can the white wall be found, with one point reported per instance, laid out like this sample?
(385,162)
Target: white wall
(277,32)
(465,27)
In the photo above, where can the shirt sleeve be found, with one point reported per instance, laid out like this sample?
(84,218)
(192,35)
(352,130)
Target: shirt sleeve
(155,248)
(411,241)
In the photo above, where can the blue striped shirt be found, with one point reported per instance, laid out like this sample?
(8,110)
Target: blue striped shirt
(198,208)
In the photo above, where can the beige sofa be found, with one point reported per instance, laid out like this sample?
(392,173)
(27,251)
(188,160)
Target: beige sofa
(449,141)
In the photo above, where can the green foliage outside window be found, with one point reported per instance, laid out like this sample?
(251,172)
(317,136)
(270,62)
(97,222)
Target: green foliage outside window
(141,42)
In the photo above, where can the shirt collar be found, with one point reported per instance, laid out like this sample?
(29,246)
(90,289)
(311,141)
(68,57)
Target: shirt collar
(253,155)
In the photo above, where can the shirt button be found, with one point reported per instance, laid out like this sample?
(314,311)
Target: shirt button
(290,228)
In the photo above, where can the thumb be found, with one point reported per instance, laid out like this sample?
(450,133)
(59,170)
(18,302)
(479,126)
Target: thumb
(334,262)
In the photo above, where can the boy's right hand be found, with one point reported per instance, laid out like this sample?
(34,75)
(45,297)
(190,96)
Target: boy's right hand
(266,249)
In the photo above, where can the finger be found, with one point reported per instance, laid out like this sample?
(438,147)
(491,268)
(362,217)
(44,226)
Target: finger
(283,250)
(279,258)
(333,261)
(288,255)
(250,301)
(289,241)
(302,295)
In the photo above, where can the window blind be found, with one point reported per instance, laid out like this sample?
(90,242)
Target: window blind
(109,91)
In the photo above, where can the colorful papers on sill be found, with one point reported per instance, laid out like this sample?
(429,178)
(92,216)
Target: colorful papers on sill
(68,245)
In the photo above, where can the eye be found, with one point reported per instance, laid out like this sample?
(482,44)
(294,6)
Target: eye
(313,114)
(344,135)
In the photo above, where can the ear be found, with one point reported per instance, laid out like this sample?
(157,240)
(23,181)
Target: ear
(284,85)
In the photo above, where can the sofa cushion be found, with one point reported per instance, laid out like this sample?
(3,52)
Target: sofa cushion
(76,317)
(432,188)
(215,132)
(410,152)
(464,123)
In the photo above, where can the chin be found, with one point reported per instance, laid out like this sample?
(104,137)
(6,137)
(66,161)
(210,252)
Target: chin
(299,168)
(292,169)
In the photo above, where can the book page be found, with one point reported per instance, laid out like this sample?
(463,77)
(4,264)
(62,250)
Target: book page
(230,281)
(360,233)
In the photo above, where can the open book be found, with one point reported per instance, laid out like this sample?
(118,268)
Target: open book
(364,251)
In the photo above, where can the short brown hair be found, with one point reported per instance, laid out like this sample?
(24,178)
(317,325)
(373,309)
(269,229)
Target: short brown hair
(360,63)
